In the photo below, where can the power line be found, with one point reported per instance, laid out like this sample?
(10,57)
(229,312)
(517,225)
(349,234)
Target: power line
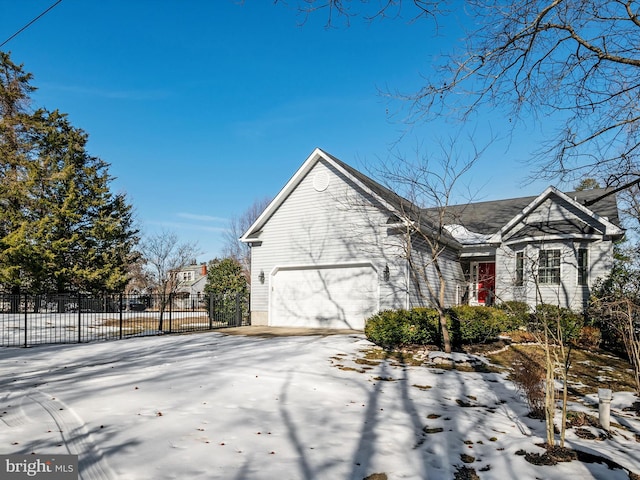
(29,24)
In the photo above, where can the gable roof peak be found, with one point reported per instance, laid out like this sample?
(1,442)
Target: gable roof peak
(609,227)
(387,197)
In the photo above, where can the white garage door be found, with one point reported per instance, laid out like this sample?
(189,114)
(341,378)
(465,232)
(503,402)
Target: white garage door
(335,297)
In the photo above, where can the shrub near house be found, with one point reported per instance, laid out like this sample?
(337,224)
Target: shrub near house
(395,328)
(419,326)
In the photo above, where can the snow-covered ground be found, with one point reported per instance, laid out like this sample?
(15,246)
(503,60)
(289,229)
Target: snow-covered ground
(216,406)
(52,328)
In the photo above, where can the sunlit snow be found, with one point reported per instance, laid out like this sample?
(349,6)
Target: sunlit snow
(216,406)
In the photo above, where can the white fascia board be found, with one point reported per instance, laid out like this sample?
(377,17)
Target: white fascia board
(497,237)
(610,228)
(553,238)
(282,195)
(486,252)
(323,266)
(309,163)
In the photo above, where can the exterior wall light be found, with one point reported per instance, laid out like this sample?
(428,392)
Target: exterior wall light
(261,277)
(385,273)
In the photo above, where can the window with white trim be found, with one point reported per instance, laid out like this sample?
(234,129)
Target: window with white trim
(583,266)
(187,276)
(519,269)
(549,267)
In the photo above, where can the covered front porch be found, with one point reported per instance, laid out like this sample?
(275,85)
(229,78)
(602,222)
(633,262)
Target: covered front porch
(480,276)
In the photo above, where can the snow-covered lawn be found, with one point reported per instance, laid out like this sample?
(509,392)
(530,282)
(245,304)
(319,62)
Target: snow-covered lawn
(216,406)
(50,328)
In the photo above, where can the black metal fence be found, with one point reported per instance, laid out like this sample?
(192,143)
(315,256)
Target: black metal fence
(27,320)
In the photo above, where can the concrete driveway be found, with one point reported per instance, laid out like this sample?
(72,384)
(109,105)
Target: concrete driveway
(269,332)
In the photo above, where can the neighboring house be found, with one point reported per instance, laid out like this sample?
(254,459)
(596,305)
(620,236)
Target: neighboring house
(331,249)
(191,281)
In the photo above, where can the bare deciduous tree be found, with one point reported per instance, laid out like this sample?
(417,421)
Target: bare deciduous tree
(555,329)
(572,62)
(369,10)
(163,254)
(139,281)
(430,182)
(616,301)
(233,247)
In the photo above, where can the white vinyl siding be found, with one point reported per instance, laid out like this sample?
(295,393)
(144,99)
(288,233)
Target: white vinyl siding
(558,267)
(567,292)
(425,278)
(325,219)
(334,226)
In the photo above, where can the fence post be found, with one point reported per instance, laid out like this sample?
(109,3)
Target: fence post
(120,308)
(79,317)
(238,311)
(210,310)
(26,319)
(170,309)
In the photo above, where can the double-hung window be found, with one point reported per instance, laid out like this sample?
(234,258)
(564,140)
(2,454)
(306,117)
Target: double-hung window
(519,269)
(583,266)
(549,267)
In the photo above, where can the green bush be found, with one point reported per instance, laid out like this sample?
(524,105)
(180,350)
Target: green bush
(517,312)
(476,324)
(396,328)
(421,326)
(569,322)
(383,328)
(427,330)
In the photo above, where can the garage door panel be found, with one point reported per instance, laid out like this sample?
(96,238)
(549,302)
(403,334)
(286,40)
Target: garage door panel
(337,297)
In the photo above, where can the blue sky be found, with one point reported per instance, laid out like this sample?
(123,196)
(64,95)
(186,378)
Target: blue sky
(202,107)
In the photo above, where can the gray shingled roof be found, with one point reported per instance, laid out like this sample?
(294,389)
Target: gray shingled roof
(398,202)
(489,217)
(485,217)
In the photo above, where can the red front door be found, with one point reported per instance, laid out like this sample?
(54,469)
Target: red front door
(486,282)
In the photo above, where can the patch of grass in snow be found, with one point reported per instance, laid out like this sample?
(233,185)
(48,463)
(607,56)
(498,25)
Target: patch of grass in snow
(465,404)
(374,356)
(581,419)
(465,473)
(366,361)
(351,369)
(431,430)
(376,476)
(587,368)
(143,324)
(467,458)
(467,366)
(422,387)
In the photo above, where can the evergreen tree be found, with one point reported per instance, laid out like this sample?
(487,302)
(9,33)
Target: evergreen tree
(14,149)
(62,229)
(227,291)
(225,277)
